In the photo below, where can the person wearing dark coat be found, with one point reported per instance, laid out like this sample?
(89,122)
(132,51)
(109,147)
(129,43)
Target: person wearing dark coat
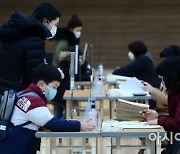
(22,46)
(171,50)
(169,71)
(142,65)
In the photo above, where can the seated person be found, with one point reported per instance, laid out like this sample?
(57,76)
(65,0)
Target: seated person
(169,70)
(172,50)
(160,95)
(20,137)
(142,65)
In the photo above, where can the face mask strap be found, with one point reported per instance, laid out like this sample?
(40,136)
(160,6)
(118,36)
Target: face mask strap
(50,23)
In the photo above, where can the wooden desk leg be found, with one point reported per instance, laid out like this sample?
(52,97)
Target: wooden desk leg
(93,145)
(43,145)
(148,146)
(146,101)
(112,110)
(70,144)
(152,146)
(83,145)
(68,109)
(48,145)
(54,144)
(118,150)
(108,145)
(158,145)
(101,107)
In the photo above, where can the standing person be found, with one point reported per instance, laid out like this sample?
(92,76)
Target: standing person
(67,38)
(169,71)
(20,137)
(22,46)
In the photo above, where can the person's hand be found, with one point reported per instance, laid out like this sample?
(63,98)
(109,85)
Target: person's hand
(86,126)
(152,122)
(150,114)
(147,87)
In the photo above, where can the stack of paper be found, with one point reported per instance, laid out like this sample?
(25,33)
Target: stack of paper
(114,78)
(127,110)
(110,126)
(115,126)
(131,87)
(140,125)
(113,92)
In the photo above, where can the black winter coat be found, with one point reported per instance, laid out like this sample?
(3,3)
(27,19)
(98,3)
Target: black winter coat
(22,49)
(142,68)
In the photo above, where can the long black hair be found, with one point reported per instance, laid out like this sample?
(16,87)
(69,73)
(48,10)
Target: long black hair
(169,69)
(172,50)
(46,10)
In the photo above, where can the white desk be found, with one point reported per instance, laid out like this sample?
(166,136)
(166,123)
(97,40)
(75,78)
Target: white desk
(47,146)
(150,145)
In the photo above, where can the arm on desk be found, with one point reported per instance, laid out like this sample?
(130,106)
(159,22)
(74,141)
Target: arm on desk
(63,125)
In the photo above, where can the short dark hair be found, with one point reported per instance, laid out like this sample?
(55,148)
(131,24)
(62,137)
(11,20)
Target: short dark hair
(74,22)
(46,10)
(137,48)
(47,73)
(169,68)
(172,50)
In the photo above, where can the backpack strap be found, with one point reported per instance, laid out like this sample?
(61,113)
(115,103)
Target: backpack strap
(31,93)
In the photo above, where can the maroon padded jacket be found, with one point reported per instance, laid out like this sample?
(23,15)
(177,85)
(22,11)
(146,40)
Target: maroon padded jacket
(171,123)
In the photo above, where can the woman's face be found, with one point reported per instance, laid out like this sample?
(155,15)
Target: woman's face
(77,29)
(51,23)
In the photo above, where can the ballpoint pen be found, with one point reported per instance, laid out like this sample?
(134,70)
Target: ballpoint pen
(142,112)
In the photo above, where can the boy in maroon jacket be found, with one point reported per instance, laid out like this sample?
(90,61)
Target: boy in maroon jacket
(31,112)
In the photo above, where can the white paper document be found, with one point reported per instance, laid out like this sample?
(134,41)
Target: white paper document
(132,87)
(114,126)
(140,125)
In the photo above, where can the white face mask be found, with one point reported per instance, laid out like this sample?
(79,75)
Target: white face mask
(77,34)
(53,30)
(131,55)
(162,84)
